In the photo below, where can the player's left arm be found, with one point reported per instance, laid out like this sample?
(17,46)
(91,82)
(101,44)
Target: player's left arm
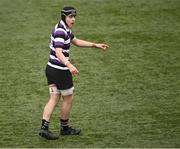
(83,43)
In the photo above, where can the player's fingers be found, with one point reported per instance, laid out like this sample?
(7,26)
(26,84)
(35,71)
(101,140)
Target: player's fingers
(105,45)
(75,72)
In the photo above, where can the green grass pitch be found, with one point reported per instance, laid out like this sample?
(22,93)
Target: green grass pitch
(126,97)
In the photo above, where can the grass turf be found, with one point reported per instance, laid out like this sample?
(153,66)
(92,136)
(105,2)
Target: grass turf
(125,97)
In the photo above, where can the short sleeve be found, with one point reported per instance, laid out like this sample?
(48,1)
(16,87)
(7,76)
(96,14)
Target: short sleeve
(59,38)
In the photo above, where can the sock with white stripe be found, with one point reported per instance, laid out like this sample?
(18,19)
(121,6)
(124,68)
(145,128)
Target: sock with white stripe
(45,124)
(64,124)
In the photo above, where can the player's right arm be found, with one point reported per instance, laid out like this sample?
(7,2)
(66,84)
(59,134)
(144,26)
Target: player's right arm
(64,60)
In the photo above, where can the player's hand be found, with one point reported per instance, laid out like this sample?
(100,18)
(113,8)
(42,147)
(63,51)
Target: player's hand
(72,69)
(101,46)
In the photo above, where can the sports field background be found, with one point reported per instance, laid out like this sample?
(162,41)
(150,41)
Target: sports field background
(128,96)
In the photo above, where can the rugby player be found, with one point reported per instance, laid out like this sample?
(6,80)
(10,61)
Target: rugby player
(59,72)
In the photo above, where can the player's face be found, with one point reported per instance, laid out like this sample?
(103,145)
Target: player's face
(70,20)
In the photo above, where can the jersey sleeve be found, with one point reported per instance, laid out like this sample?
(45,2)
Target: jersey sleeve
(59,38)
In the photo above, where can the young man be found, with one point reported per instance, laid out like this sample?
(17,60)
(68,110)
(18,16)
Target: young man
(59,72)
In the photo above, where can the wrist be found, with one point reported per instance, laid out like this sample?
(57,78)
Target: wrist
(94,45)
(66,63)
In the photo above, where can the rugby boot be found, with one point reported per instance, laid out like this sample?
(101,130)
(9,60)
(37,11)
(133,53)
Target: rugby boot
(70,131)
(47,135)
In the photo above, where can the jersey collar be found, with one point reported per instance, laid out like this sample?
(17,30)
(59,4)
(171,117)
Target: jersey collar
(64,25)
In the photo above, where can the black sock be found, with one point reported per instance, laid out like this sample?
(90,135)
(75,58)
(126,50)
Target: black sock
(45,124)
(64,124)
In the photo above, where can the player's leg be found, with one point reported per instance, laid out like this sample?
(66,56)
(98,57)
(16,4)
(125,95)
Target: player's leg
(48,110)
(50,105)
(66,107)
(65,113)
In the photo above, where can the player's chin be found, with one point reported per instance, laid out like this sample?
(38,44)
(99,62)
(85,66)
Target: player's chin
(71,25)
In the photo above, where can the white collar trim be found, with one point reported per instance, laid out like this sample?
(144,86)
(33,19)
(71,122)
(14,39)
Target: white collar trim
(62,22)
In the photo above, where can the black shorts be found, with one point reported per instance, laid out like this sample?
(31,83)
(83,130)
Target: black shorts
(61,78)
